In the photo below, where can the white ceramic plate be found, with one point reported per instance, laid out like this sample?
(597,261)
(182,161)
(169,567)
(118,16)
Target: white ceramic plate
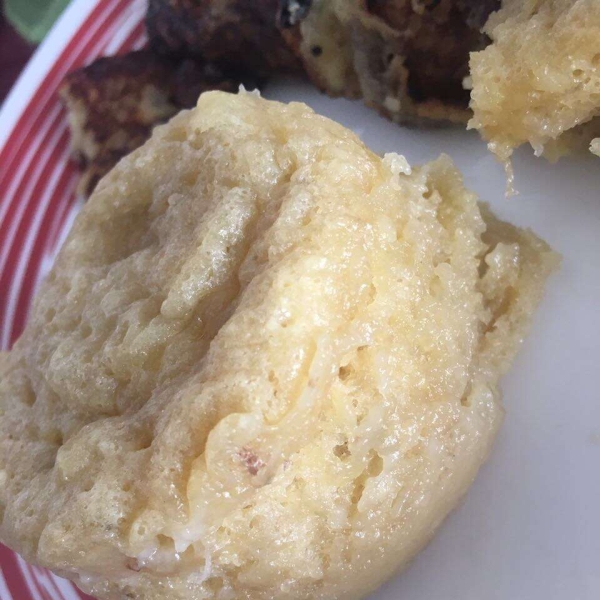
(529,529)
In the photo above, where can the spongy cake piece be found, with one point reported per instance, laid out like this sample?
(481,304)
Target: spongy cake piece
(539,80)
(265,363)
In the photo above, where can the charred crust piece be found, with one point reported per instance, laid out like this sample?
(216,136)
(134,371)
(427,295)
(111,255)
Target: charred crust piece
(406,58)
(194,46)
(114,103)
(234,34)
(434,42)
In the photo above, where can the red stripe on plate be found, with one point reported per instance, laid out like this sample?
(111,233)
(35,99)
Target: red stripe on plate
(93,46)
(105,12)
(9,276)
(37,164)
(15,316)
(32,586)
(34,582)
(60,214)
(33,255)
(50,584)
(41,235)
(12,574)
(36,195)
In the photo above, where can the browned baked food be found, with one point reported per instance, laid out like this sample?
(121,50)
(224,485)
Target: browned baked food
(235,34)
(406,58)
(114,103)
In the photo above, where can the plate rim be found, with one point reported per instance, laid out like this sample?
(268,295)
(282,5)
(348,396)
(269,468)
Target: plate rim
(40,63)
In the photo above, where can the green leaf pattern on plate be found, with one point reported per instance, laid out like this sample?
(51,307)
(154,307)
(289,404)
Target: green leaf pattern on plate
(33,18)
